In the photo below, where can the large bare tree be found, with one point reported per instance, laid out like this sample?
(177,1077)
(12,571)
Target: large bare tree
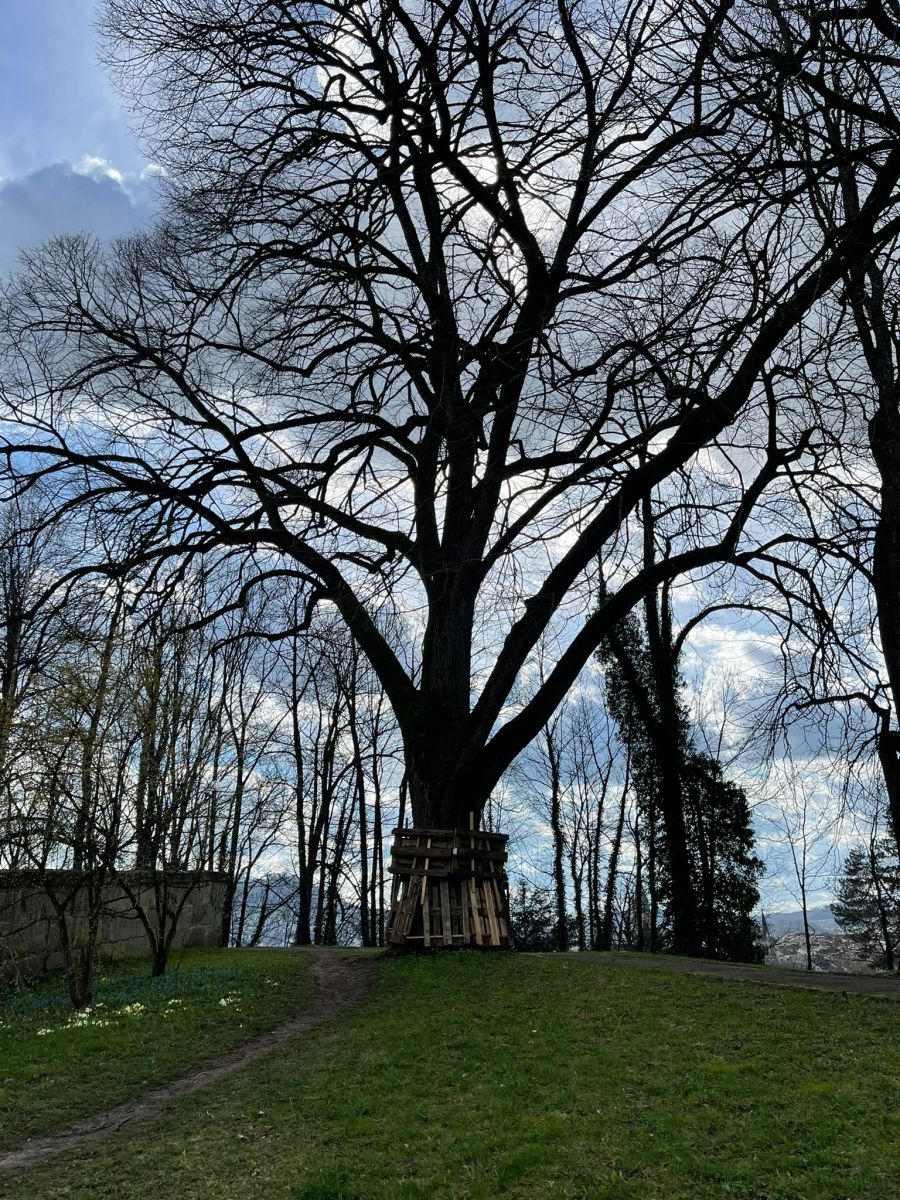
(445,291)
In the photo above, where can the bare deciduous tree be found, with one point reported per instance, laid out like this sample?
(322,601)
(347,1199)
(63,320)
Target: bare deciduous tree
(422,309)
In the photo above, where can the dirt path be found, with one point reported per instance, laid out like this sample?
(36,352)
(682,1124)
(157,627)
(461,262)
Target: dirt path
(817,981)
(338,981)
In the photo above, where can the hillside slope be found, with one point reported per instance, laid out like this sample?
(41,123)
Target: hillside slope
(476,1076)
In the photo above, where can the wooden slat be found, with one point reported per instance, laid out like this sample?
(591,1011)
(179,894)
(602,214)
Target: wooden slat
(446,924)
(464,908)
(501,910)
(408,910)
(424,877)
(473,890)
(456,931)
(435,850)
(492,919)
(462,837)
(473,908)
(398,929)
(451,852)
(439,870)
(439,857)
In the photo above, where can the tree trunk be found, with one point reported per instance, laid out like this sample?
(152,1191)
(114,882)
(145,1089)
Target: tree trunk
(439,798)
(682,901)
(82,849)
(638,887)
(593,889)
(806,937)
(708,932)
(302,936)
(443,792)
(883,916)
(652,887)
(160,957)
(376,916)
(879,343)
(80,978)
(612,870)
(578,893)
(263,916)
(888,744)
(79,957)
(559,876)
(365,926)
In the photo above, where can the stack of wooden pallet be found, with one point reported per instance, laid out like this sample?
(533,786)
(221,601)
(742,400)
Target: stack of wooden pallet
(449,889)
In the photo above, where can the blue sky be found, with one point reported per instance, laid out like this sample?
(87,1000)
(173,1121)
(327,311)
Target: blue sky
(69,162)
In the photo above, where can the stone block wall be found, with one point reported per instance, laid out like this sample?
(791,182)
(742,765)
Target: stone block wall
(29,931)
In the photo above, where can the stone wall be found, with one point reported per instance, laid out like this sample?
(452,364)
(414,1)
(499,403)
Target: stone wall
(29,931)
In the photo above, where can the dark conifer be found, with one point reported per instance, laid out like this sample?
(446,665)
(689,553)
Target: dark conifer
(868,903)
(719,865)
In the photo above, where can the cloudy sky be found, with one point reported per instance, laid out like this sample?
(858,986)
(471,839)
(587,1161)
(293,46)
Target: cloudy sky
(68,159)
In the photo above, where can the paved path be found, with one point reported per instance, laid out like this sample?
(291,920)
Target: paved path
(816,981)
(338,981)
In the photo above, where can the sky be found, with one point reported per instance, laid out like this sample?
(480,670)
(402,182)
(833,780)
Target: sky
(69,160)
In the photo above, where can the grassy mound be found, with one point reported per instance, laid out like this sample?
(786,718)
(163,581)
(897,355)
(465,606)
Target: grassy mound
(470,1076)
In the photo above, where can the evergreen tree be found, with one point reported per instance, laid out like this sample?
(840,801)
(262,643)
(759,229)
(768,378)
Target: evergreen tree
(670,772)
(533,919)
(725,866)
(868,903)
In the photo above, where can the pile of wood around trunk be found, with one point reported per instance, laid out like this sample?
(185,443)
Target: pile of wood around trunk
(449,889)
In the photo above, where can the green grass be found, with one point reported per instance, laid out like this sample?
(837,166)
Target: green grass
(472,1076)
(57,1065)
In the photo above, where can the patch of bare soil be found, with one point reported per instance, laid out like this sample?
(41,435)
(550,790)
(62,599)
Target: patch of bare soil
(338,981)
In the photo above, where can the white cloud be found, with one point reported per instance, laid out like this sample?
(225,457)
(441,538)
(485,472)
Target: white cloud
(92,196)
(98,168)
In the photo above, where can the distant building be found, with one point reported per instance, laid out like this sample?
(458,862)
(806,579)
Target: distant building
(830,952)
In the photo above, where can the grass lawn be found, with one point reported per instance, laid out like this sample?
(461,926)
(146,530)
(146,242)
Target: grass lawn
(474,1076)
(57,1065)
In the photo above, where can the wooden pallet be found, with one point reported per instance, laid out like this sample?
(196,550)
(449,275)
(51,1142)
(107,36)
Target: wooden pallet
(449,889)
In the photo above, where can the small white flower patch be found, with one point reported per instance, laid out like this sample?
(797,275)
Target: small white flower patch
(79,1020)
(132,1010)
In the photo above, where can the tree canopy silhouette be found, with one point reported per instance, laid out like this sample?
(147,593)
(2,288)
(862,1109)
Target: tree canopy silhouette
(443,292)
